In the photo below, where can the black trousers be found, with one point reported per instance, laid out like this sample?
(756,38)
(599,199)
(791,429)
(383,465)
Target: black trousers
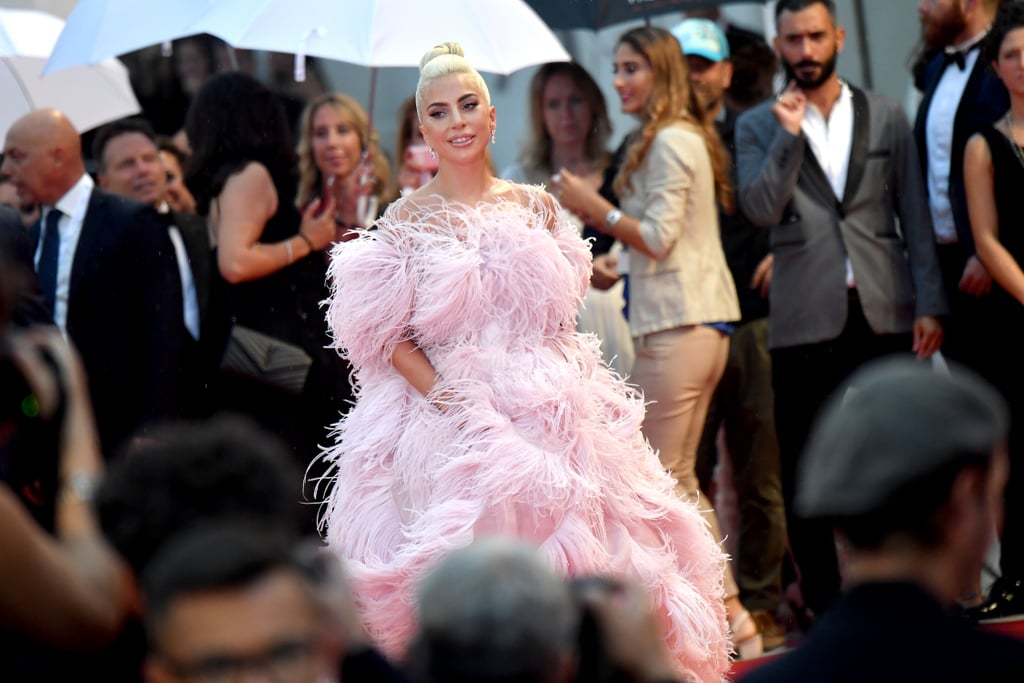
(803,378)
(968,327)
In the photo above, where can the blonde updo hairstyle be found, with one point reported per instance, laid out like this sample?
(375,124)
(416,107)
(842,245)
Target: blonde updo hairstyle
(445,59)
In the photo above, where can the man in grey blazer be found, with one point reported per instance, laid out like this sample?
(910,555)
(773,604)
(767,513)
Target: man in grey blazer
(834,173)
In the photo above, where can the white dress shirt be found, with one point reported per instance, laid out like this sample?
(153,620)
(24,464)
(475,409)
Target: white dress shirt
(939,139)
(189,298)
(831,140)
(73,205)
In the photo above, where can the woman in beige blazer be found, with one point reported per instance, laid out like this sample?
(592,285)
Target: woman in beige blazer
(681,294)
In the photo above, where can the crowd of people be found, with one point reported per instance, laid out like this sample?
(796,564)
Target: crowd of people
(275,402)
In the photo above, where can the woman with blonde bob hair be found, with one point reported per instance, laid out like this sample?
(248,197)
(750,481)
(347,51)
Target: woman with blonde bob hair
(481,411)
(339,153)
(682,296)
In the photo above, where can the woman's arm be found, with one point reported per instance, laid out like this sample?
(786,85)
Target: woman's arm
(669,178)
(981,206)
(72,590)
(243,208)
(414,366)
(576,196)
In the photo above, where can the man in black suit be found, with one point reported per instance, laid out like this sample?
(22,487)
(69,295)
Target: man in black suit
(129,165)
(107,272)
(962,95)
(908,467)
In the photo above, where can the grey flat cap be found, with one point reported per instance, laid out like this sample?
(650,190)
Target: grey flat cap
(900,420)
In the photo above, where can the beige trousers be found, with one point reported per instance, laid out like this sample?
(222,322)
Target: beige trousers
(678,371)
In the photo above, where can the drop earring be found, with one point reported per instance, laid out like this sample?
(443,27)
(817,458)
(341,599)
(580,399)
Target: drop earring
(494,132)
(433,154)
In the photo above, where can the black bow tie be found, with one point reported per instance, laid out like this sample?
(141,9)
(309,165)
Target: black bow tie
(955,57)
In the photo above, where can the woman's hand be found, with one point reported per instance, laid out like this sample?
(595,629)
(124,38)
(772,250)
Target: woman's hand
(318,223)
(575,195)
(605,272)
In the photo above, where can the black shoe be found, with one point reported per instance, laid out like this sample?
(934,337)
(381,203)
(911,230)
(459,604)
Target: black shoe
(1005,599)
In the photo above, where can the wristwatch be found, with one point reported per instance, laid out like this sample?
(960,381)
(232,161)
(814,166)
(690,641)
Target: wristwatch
(610,219)
(80,484)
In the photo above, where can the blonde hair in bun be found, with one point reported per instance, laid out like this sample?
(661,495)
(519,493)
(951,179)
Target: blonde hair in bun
(445,59)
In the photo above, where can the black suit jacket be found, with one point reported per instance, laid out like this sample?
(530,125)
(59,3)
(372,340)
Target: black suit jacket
(895,632)
(17,248)
(745,244)
(984,100)
(202,356)
(196,238)
(124,315)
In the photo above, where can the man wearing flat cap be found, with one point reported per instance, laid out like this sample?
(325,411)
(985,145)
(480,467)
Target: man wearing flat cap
(908,465)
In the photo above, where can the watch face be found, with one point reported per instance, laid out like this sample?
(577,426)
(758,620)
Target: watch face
(81,485)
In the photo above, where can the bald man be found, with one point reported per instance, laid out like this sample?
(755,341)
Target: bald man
(108,275)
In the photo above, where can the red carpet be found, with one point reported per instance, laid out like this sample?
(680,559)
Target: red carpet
(1013,628)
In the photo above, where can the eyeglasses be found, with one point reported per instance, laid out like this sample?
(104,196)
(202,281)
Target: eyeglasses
(288,661)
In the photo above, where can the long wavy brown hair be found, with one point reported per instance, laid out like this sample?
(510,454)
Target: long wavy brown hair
(310,179)
(671,100)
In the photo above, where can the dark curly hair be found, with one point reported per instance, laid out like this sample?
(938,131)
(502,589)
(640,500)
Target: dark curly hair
(1009,17)
(234,119)
(192,474)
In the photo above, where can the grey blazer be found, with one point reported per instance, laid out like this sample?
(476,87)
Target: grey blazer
(882,224)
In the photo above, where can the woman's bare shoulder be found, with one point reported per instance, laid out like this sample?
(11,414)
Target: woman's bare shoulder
(252,178)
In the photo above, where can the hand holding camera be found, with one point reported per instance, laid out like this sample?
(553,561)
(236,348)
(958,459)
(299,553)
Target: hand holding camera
(631,634)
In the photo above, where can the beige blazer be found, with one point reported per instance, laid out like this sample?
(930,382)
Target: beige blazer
(673,196)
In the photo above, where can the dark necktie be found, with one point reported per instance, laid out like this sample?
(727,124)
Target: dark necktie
(955,57)
(48,259)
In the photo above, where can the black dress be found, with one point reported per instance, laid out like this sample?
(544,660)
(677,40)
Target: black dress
(286,305)
(1004,331)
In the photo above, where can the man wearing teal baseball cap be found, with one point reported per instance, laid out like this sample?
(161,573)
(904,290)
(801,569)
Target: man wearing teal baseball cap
(743,402)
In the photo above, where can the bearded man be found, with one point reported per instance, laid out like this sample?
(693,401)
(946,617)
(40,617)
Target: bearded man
(961,96)
(832,171)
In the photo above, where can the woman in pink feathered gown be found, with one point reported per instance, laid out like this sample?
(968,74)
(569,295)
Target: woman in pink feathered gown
(479,409)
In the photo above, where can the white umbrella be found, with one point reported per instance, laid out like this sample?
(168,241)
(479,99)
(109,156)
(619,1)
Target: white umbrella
(98,29)
(499,36)
(88,95)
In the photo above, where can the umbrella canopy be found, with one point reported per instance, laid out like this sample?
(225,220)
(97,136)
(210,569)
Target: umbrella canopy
(499,36)
(597,14)
(88,95)
(98,29)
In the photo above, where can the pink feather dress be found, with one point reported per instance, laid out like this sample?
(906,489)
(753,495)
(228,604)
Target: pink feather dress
(540,439)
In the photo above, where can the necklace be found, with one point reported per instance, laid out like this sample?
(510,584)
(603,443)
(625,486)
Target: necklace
(1017,151)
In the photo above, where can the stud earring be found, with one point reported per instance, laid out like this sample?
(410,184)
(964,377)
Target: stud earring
(494,132)
(433,154)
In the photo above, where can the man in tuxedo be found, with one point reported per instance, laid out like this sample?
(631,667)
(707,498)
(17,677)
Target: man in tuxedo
(129,165)
(833,172)
(960,97)
(107,272)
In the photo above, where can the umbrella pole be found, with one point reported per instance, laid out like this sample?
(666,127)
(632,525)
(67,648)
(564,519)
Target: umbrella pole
(369,111)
